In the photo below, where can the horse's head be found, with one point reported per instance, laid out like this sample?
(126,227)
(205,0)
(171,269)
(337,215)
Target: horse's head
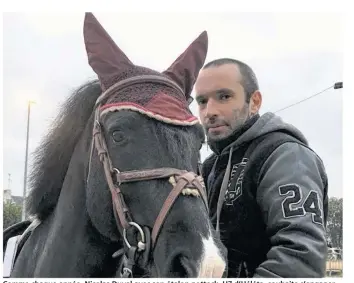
(142,123)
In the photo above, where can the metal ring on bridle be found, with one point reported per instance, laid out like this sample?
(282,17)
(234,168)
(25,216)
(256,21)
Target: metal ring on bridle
(117,172)
(141,243)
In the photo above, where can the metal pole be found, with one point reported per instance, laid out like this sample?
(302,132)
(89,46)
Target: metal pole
(26,159)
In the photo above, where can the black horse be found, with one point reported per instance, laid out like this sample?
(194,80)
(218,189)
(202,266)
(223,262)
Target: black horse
(113,186)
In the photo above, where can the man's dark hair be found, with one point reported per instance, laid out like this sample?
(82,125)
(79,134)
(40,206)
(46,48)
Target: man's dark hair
(249,80)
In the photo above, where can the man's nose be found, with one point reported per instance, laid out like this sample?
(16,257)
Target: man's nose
(211,109)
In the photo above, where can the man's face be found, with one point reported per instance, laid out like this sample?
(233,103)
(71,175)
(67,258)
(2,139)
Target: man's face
(221,100)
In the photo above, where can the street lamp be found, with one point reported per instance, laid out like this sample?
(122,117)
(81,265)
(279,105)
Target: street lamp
(26,161)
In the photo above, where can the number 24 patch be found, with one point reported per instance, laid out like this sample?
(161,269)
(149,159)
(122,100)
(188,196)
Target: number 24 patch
(291,204)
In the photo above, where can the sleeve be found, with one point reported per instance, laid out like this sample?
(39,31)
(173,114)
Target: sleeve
(292,191)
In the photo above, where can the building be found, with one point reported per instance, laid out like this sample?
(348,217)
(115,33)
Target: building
(8,197)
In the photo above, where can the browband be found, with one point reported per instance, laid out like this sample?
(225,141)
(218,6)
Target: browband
(135,80)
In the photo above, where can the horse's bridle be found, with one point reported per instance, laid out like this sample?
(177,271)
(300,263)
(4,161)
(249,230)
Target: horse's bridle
(114,178)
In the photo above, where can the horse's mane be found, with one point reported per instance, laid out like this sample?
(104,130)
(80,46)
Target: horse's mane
(52,158)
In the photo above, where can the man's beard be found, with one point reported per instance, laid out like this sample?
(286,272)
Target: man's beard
(239,118)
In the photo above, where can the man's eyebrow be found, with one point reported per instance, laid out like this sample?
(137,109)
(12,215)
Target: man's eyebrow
(225,90)
(213,92)
(200,94)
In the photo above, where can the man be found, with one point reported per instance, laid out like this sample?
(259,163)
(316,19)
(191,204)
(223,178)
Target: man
(267,189)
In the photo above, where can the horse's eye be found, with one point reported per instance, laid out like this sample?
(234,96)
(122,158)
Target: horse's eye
(118,136)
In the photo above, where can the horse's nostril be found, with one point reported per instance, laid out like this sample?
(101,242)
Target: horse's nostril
(182,267)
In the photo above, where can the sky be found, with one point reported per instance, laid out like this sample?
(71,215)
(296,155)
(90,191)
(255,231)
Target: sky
(293,55)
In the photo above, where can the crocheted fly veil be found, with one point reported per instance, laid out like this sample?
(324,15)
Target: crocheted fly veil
(159,101)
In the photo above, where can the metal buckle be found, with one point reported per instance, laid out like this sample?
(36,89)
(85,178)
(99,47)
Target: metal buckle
(116,172)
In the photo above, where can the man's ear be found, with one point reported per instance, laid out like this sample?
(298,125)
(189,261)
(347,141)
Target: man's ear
(255,102)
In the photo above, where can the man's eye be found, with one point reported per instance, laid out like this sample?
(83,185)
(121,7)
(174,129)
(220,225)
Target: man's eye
(202,101)
(224,96)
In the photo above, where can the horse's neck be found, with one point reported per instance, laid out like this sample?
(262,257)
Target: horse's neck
(73,247)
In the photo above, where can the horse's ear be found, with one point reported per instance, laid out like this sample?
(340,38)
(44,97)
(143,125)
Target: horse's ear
(185,69)
(104,56)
